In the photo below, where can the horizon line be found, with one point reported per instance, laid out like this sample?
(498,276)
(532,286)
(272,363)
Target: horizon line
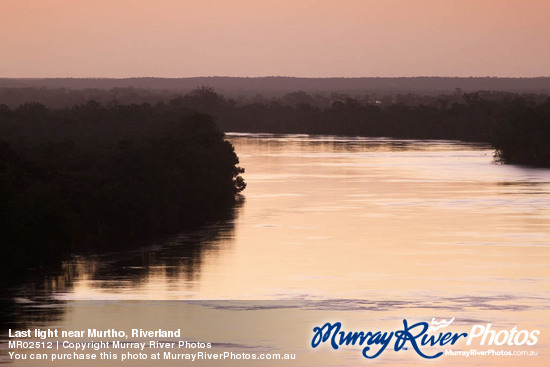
(279,76)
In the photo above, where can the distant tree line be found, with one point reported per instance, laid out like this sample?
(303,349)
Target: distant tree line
(518,126)
(95,175)
(58,98)
(278,85)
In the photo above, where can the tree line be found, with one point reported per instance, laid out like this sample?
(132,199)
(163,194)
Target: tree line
(517,125)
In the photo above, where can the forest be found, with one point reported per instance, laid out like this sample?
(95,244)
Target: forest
(94,176)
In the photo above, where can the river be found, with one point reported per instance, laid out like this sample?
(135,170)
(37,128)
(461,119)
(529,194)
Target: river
(370,230)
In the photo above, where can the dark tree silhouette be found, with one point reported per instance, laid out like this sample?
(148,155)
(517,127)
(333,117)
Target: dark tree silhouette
(95,175)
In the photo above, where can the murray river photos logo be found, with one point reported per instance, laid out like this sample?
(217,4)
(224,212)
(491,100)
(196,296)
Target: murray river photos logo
(420,337)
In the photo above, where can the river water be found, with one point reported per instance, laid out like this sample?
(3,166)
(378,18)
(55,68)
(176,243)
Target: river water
(370,230)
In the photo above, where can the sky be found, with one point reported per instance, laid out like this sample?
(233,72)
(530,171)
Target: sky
(302,38)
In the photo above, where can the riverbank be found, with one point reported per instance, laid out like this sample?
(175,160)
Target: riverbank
(105,176)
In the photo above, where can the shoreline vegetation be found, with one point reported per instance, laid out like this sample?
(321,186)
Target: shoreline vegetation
(516,124)
(99,168)
(92,176)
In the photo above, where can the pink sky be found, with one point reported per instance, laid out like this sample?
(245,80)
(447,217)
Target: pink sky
(309,38)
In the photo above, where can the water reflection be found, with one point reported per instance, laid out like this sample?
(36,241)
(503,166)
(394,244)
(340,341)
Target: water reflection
(41,299)
(177,258)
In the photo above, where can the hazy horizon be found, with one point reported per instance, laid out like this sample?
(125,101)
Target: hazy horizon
(279,76)
(299,38)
